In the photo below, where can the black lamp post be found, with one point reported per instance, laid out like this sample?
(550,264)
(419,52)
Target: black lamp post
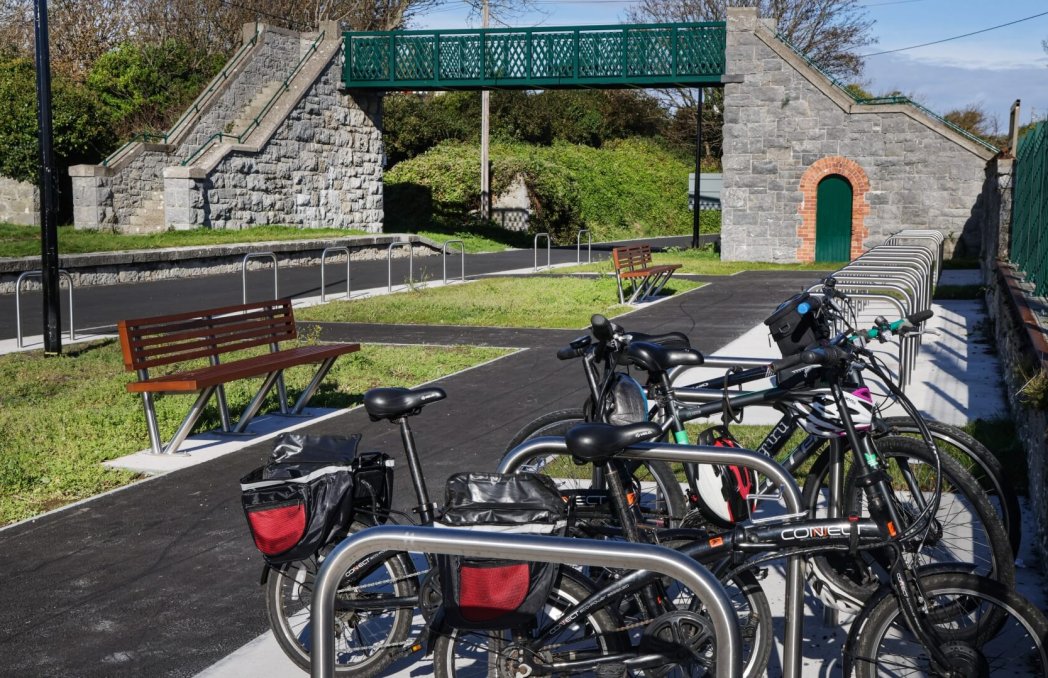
(48,186)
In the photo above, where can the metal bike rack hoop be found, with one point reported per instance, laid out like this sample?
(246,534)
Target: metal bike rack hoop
(598,553)
(705,454)
(589,246)
(462,258)
(535,248)
(62,273)
(243,272)
(389,262)
(323,281)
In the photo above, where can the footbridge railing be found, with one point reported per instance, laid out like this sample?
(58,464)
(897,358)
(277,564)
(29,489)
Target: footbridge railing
(626,55)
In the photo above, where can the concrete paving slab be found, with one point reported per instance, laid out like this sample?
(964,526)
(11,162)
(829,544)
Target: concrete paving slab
(36,342)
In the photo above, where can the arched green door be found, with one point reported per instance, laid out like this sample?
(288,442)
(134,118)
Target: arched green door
(833,219)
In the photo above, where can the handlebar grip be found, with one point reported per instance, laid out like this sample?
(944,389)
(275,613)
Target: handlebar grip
(601,326)
(824,355)
(787,362)
(570,352)
(920,316)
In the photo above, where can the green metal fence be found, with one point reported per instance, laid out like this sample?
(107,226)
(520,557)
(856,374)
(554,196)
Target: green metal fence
(1029,246)
(627,55)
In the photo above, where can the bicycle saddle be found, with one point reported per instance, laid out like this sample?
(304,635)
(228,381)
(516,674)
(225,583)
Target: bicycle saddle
(655,358)
(393,403)
(666,340)
(600,442)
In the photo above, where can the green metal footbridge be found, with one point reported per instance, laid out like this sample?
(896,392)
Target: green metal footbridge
(618,56)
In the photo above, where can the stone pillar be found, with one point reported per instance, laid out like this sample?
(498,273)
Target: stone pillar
(92,197)
(185,202)
(19,202)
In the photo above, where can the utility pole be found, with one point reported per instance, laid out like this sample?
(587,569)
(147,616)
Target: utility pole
(485,114)
(48,187)
(695,240)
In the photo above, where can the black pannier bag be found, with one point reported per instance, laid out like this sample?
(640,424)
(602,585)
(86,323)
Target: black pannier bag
(304,497)
(494,594)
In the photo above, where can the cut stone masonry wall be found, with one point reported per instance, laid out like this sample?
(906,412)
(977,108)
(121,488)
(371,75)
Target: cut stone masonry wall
(19,202)
(784,117)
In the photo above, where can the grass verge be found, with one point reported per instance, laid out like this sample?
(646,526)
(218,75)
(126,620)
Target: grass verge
(61,417)
(535,301)
(707,262)
(24,241)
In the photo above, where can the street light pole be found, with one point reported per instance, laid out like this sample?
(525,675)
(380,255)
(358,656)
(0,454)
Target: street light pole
(48,186)
(485,115)
(695,239)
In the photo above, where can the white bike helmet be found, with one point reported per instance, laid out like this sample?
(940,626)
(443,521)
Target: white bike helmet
(820,417)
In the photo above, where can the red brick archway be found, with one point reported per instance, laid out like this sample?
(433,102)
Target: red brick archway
(860,183)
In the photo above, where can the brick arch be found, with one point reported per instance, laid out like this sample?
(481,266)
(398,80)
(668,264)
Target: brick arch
(860,183)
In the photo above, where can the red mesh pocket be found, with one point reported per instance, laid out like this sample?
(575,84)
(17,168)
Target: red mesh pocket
(277,528)
(487,593)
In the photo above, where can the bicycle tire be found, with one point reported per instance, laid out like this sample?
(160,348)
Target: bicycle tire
(668,500)
(460,653)
(288,596)
(846,582)
(978,460)
(1014,633)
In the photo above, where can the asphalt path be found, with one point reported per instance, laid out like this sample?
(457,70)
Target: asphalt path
(98,308)
(161,578)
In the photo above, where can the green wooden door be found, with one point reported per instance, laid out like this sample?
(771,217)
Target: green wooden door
(833,219)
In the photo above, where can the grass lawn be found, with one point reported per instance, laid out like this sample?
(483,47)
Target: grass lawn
(535,301)
(24,241)
(61,417)
(707,262)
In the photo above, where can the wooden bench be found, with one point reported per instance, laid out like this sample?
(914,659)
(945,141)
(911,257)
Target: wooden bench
(170,339)
(633,264)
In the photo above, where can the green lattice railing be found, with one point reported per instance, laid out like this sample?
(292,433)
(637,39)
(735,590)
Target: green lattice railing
(884,101)
(628,55)
(1029,243)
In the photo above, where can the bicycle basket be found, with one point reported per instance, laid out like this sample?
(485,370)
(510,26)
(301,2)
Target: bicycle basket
(495,594)
(724,491)
(302,498)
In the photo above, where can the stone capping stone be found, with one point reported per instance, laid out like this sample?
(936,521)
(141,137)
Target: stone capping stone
(173,254)
(860,185)
(848,105)
(327,50)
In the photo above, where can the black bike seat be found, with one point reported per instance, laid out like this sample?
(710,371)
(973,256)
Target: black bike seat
(600,442)
(654,358)
(393,403)
(666,340)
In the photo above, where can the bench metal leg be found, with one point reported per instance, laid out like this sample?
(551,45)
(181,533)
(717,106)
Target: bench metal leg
(252,407)
(638,290)
(151,425)
(303,399)
(618,281)
(281,388)
(663,278)
(187,424)
(223,407)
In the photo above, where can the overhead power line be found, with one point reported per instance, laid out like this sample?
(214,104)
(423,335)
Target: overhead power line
(956,37)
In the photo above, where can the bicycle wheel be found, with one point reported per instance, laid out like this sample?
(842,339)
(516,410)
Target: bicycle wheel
(981,626)
(496,654)
(662,499)
(366,641)
(966,529)
(978,460)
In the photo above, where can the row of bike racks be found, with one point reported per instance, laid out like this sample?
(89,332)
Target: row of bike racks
(578,248)
(579,552)
(902,274)
(25,275)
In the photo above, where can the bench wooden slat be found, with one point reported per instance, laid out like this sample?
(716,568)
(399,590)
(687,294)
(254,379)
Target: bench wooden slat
(634,262)
(256,366)
(158,334)
(219,342)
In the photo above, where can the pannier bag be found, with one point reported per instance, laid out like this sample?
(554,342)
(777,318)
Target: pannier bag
(494,594)
(305,496)
(724,490)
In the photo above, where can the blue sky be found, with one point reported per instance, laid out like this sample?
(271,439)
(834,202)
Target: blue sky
(991,69)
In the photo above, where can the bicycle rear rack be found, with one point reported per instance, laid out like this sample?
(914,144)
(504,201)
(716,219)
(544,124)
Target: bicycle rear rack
(520,547)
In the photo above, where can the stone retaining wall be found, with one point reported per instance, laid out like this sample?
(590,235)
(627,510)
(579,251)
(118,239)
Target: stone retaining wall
(19,203)
(784,119)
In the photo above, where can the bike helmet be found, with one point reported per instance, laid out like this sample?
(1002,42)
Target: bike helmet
(820,417)
(627,402)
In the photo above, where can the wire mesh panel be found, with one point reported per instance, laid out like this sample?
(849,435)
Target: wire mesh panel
(629,55)
(1029,245)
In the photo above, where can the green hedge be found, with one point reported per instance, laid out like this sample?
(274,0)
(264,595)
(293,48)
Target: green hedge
(626,189)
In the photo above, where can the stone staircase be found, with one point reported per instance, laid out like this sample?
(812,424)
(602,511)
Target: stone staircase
(148,217)
(247,116)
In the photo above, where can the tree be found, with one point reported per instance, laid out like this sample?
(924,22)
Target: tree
(974,120)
